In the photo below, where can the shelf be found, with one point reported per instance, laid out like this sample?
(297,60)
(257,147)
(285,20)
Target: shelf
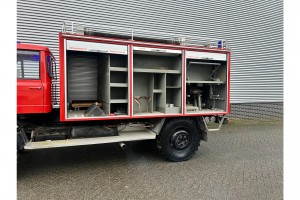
(163,71)
(208,82)
(118,84)
(119,101)
(204,63)
(206,110)
(119,69)
(157,90)
(173,87)
(150,113)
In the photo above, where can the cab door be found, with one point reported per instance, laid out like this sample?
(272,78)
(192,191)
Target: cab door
(29,85)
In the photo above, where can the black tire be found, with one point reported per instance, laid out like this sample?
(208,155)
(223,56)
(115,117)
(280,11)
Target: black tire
(179,139)
(21,140)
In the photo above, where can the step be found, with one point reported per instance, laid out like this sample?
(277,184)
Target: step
(122,137)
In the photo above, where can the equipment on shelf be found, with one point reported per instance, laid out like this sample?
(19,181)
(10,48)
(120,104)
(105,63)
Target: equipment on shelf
(120,111)
(196,94)
(94,110)
(138,99)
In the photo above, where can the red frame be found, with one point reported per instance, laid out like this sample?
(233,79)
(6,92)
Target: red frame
(130,44)
(130,52)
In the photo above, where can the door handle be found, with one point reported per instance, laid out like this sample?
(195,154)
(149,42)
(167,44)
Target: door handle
(35,88)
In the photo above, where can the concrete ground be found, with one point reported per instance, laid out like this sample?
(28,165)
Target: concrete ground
(242,161)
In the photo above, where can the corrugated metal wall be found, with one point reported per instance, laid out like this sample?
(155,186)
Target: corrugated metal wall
(253,30)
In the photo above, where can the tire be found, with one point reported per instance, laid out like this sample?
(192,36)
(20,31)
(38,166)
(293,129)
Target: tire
(21,140)
(179,139)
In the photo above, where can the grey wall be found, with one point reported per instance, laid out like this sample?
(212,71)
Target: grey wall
(253,30)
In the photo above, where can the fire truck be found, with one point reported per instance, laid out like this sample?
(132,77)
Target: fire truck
(116,85)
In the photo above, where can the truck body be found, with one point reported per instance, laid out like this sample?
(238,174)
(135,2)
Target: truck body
(116,87)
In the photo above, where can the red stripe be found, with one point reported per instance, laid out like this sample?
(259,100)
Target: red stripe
(143,44)
(62,77)
(184,82)
(228,87)
(144,116)
(130,80)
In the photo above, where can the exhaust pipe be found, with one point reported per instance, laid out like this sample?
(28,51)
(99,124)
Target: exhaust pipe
(122,145)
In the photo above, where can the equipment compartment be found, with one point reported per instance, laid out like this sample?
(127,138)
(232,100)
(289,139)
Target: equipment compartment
(99,80)
(96,77)
(206,86)
(155,76)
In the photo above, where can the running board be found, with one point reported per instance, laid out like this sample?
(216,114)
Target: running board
(122,137)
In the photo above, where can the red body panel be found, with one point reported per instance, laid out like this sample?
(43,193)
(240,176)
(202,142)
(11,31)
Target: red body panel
(34,96)
(62,75)
(183,84)
(130,78)
(228,80)
(30,96)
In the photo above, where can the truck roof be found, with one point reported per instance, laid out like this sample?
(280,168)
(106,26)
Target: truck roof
(32,47)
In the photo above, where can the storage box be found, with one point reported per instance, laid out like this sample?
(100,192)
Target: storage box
(173,110)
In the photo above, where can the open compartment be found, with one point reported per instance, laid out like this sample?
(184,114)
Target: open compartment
(158,93)
(173,100)
(206,85)
(143,90)
(173,81)
(155,74)
(119,101)
(156,62)
(117,60)
(119,108)
(173,93)
(159,103)
(118,77)
(118,94)
(97,84)
(149,93)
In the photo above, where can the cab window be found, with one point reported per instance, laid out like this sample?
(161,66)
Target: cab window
(28,64)
(51,66)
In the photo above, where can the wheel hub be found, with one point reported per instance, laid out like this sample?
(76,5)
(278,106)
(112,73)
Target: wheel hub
(180,140)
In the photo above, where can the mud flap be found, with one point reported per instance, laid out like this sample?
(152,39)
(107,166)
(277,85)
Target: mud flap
(201,126)
(21,139)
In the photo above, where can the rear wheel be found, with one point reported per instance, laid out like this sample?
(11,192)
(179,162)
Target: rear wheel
(179,139)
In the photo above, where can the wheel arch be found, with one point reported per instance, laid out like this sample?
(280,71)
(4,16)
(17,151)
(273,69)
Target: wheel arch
(160,123)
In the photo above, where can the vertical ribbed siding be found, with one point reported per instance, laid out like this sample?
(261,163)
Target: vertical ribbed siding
(253,29)
(256,38)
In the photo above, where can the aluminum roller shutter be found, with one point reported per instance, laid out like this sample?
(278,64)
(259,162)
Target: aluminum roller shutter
(82,77)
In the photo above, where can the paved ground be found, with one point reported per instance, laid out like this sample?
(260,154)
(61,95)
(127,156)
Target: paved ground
(243,161)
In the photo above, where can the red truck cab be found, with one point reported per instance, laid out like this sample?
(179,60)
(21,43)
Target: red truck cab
(34,78)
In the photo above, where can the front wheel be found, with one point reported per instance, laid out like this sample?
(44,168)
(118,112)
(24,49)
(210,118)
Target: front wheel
(179,139)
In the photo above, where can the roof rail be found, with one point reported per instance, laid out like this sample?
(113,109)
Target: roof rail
(136,34)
